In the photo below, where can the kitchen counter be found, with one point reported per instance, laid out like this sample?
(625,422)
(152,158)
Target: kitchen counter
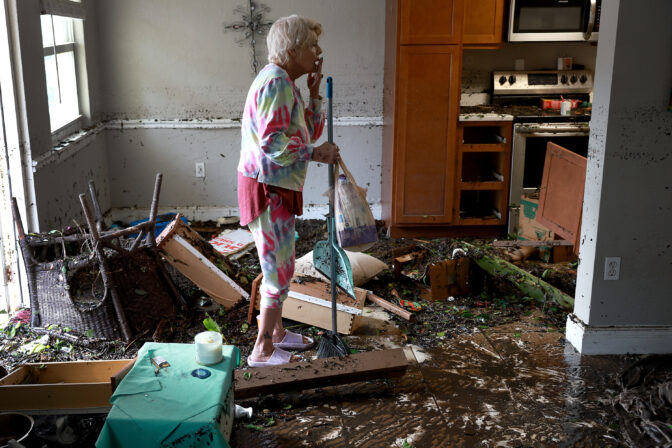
(491,112)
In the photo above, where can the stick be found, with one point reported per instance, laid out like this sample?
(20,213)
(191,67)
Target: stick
(389,306)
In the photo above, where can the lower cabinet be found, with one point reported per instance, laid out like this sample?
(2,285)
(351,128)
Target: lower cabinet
(483,171)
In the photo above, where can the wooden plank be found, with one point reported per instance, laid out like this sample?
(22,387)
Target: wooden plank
(312,313)
(533,243)
(186,259)
(389,306)
(56,396)
(254,298)
(319,373)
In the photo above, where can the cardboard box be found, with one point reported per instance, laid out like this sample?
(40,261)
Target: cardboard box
(65,387)
(528,227)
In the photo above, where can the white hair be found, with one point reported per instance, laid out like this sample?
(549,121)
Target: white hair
(288,33)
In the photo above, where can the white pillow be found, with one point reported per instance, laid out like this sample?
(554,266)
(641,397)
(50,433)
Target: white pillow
(364,267)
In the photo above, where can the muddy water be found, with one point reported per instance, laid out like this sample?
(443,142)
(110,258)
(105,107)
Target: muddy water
(511,386)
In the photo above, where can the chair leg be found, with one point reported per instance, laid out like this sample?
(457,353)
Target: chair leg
(104,272)
(35,320)
(100,223)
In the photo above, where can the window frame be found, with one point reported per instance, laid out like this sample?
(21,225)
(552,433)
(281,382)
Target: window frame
(72,9)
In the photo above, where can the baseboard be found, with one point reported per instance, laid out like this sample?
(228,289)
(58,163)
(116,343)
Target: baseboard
(196,213)
(592,340)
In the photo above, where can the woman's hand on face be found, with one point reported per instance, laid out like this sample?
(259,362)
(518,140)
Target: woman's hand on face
(325,153)
(315,79)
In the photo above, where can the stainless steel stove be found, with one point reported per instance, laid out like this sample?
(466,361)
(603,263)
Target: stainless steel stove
(534,127)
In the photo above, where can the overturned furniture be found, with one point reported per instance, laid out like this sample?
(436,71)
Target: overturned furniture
(117,289)
(186,251)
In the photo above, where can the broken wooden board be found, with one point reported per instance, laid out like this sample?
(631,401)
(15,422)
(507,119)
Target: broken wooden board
(532,243)
(449,278)
(526,282)
(178,244)
(66,387)
(389,306)
(309,302)
(319,373)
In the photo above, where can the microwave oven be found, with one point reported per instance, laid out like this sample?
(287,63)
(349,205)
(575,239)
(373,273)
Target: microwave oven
(554,20)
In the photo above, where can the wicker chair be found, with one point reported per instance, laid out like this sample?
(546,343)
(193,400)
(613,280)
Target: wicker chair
(120,288)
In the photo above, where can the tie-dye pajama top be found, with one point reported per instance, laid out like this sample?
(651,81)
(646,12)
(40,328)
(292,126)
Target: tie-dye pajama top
(278,131)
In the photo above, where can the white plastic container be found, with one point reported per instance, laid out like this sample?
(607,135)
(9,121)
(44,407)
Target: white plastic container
(208,347)
(565,107)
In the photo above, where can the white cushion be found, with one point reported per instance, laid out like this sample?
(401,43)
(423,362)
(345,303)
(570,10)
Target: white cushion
(364,267)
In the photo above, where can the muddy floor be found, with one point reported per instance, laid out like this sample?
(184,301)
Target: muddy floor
(487,368)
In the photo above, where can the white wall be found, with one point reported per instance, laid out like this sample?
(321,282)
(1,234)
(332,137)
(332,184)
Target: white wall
(628,201)
(172,60)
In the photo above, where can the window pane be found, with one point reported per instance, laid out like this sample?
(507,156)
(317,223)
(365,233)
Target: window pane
(63,108)
(63,30)
(47,36)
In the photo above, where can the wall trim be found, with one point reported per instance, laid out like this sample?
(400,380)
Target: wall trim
(617,340)
(221,123)
(197,213)
(75,143)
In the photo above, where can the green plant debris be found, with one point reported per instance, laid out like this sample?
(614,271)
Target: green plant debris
(210,324)
(526,282)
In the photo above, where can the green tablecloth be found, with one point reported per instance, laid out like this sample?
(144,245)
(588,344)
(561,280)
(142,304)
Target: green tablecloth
(173,408)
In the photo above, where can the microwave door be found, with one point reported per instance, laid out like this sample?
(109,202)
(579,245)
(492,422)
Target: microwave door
(552,20)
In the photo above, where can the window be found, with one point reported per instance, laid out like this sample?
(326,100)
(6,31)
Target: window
(58,42)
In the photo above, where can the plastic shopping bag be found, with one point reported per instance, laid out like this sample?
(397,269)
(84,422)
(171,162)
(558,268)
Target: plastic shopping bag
(355,226)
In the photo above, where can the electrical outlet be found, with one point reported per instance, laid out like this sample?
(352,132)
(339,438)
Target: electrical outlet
(200,169)
(612,268)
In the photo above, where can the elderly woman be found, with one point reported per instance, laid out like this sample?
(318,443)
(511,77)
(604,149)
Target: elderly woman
(278,132)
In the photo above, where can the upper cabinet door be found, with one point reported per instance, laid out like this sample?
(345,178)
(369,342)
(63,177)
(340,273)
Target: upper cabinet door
(431,21)
(483,22)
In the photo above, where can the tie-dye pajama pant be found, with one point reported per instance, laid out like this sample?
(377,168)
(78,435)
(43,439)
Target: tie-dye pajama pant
(273,233)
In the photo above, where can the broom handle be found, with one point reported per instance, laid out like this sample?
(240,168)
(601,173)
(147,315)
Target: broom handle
(332,193)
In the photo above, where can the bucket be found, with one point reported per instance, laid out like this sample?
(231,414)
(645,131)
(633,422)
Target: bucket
(14,426)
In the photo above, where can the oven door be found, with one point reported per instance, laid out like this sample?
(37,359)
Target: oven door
(554,20)
(529,154)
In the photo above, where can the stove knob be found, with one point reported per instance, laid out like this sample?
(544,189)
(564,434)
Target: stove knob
(512,79)
(583,79)
(502,79)
(573,79)
(563,79)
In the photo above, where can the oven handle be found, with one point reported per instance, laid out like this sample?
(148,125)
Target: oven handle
(591,20)
(551,132)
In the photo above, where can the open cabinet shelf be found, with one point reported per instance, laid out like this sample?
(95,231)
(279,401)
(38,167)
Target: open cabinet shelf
(483,167)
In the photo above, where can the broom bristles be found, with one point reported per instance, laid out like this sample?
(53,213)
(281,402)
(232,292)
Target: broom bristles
(332,345)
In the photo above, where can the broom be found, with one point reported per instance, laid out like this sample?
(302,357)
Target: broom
(331,343)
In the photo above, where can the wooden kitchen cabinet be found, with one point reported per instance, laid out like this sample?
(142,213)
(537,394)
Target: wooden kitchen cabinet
(483,23)
(430,21)
(427,110)
(483,169)
(423,193)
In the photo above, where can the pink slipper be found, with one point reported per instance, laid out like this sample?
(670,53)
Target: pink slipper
(294,341)
(278,358)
